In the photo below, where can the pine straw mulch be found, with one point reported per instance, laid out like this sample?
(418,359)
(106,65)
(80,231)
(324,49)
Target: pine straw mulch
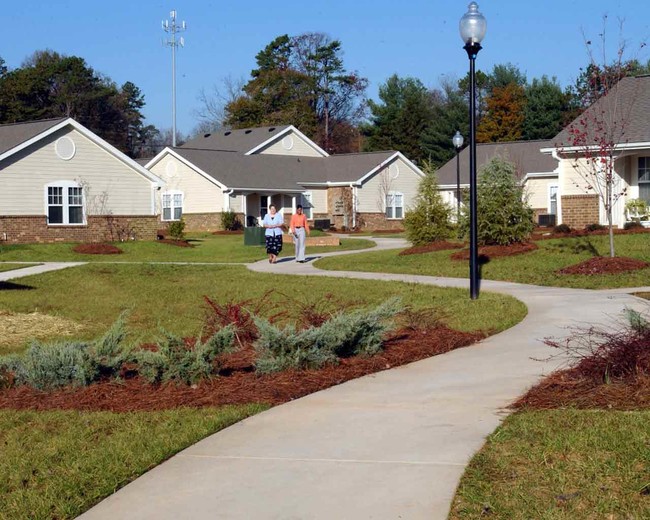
(439,245)
(97,249)
(605,265)
(16,328)
(487,252)
(238,382)
(174,242)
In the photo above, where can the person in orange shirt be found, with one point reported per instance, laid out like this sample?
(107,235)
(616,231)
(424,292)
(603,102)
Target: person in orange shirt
(300,230)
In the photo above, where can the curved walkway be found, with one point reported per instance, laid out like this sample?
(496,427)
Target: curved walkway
(387,446)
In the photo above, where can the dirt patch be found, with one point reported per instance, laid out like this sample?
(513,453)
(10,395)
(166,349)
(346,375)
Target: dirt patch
(441,245)
(173,242)
(232,232)
(605,265)
(487,252)
(17,329)
(238,383)
(97,249)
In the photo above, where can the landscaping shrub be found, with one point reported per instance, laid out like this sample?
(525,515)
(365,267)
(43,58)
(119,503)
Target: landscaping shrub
(430,219)
(632,225)
(344,335)
(176,360)
(229,221)
(504,216)
(594,227)
(562,228)
(177,229)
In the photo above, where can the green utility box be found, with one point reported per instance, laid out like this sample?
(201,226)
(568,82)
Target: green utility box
(254,236)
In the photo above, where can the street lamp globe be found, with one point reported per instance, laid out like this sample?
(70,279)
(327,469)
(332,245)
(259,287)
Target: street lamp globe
(472,25)
(457,140)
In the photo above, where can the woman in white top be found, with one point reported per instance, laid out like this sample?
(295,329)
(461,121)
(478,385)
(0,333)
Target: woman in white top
(273,223)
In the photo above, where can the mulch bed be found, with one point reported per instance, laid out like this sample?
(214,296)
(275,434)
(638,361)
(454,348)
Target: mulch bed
(576,233)
(97,249)
(487,252)
(238,383)
(441,245)
(226,232)
(179,243)
(605,265)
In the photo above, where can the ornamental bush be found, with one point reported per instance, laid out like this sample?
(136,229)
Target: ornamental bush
(345,334)
(430,219)
(503,214)
(229,221)
(177,229)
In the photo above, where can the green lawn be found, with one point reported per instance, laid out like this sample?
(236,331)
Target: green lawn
(171,297)
(561,465)
(58,464)
(11,267)
(208,248)
(538,267)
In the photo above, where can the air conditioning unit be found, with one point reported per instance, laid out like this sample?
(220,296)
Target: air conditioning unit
(546,220)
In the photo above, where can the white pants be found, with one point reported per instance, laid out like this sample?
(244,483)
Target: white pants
(299,242)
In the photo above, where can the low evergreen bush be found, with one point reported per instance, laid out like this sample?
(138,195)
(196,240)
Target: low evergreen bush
(594,227)
(504,216)
(632,225)
(229,221)
(562,228)
(177,229)
(345,334)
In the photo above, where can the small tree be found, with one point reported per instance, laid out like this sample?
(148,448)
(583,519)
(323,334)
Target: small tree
(430,219)
(504,216)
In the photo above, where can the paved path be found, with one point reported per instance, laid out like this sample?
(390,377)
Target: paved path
(392,445)
(35,269)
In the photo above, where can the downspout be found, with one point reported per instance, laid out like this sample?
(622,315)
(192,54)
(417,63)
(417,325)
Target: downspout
(354,205)
(226,199)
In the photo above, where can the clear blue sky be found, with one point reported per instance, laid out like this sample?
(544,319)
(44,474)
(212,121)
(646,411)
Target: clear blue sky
(418,38)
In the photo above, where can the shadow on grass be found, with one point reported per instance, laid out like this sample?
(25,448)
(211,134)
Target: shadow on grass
(9,286)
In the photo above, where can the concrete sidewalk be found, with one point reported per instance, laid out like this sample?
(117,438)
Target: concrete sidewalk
(387,446)
(33,268)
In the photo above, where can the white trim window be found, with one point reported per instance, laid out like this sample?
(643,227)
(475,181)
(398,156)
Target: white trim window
(394,205)
(172,205)
(307,206)
(552,199)
(644,178)
(64,203)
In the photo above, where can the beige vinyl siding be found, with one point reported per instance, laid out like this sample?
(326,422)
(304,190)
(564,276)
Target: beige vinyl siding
(237,203)
(576,174)
(200,195)
(537,190)
(318,200)
(372,194)
(300,147)
(110,185)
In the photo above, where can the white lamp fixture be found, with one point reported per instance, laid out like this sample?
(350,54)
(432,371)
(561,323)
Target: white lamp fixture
(473,25)
(457,140)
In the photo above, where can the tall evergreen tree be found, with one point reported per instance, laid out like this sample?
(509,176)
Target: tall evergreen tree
(546,106)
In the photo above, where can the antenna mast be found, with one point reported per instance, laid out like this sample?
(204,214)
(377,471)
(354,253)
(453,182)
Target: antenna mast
(172,27)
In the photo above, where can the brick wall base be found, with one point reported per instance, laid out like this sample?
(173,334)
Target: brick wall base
(579,211)
(207,221)
(112,228)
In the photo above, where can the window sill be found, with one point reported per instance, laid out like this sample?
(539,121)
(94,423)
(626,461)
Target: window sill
(66,225)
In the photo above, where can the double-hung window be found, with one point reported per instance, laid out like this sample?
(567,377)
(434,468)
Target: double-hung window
(64,203)
(644,178)
(395,205)
(172,205)
(307,206)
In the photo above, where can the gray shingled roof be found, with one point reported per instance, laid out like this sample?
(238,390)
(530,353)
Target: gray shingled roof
(234,140)
(524,154)
(14,134)
(625,110)
(281,172)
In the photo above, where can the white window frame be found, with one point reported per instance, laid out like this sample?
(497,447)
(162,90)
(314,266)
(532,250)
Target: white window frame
(645,183)
(174,195)
(557,199)
(65,205)
(307,204)
(390,208)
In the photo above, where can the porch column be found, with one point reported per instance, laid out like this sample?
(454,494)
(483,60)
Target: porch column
(244,208)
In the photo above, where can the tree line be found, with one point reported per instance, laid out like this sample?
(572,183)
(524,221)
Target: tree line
(302,80)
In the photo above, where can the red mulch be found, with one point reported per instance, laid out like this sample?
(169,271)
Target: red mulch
(605,265)
(173,242)
(238,383)
(488,252)
(226,232)
(440,245)
(97,249)
(373,231)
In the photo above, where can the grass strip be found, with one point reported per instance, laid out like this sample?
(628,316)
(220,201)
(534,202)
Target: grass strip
(58,464)
(10,267)
(560,465)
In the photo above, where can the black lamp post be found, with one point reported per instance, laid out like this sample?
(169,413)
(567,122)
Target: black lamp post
(472,31)
(458,144)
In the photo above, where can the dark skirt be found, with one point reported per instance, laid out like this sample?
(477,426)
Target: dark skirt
(273,244)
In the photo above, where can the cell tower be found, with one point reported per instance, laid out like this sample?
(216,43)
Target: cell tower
(172,27)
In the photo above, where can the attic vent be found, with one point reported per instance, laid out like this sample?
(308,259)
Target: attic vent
(247,131)
(228,132)
(271,129)
(65,148)
(207,135)
(287,143)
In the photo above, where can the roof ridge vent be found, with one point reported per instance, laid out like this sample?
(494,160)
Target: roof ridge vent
(247,131)
(227,133)
(207,135)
